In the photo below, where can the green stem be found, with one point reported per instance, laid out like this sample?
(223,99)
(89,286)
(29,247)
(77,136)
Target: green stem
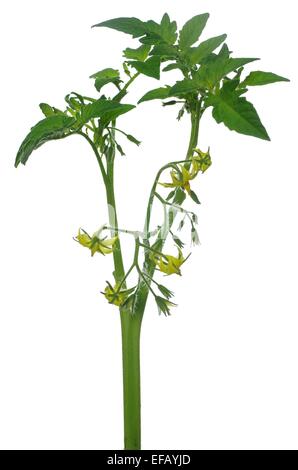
(131,330)
(98,158)
(123,90)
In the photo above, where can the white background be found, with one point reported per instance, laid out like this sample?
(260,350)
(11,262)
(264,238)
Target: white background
(221,372)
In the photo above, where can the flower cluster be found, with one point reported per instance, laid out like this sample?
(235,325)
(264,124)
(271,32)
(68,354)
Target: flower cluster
(184,173)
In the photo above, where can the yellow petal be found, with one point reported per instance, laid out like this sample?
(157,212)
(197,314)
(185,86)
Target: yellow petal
(83,238)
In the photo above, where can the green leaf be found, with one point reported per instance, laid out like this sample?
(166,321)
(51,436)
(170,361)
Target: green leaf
(170,67)
(233,63)
(105,76)
(106,73)
(53,127)
(165,32)
(104,109)
(218,66)
(168,29)
(183,87)
(132,26)
(141,53)
(156,94)
(197,54)
(151,67)
(192,30)
(154,32)
(262,78)
(100,82)
(46,109)
(237,114)
(164,50)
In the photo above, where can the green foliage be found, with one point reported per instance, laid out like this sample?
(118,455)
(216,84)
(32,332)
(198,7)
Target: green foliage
(165,32)
(51,128)
(132,26)
(157,93)
(152,33)
(195,55)
(151,67)
(105,76)
(237,114)
(206,74)
(141,53)
(105,109)
(48,110)
(183,87)
(165,51)
(192,30)
(262,78)
(208,79)
(217,67)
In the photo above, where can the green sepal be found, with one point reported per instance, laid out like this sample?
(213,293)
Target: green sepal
(194,197)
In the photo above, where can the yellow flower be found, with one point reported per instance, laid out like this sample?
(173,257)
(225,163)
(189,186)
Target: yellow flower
(95,244)
(180,179)
(188,171)
(202,160)
(169,264)
(114,296)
